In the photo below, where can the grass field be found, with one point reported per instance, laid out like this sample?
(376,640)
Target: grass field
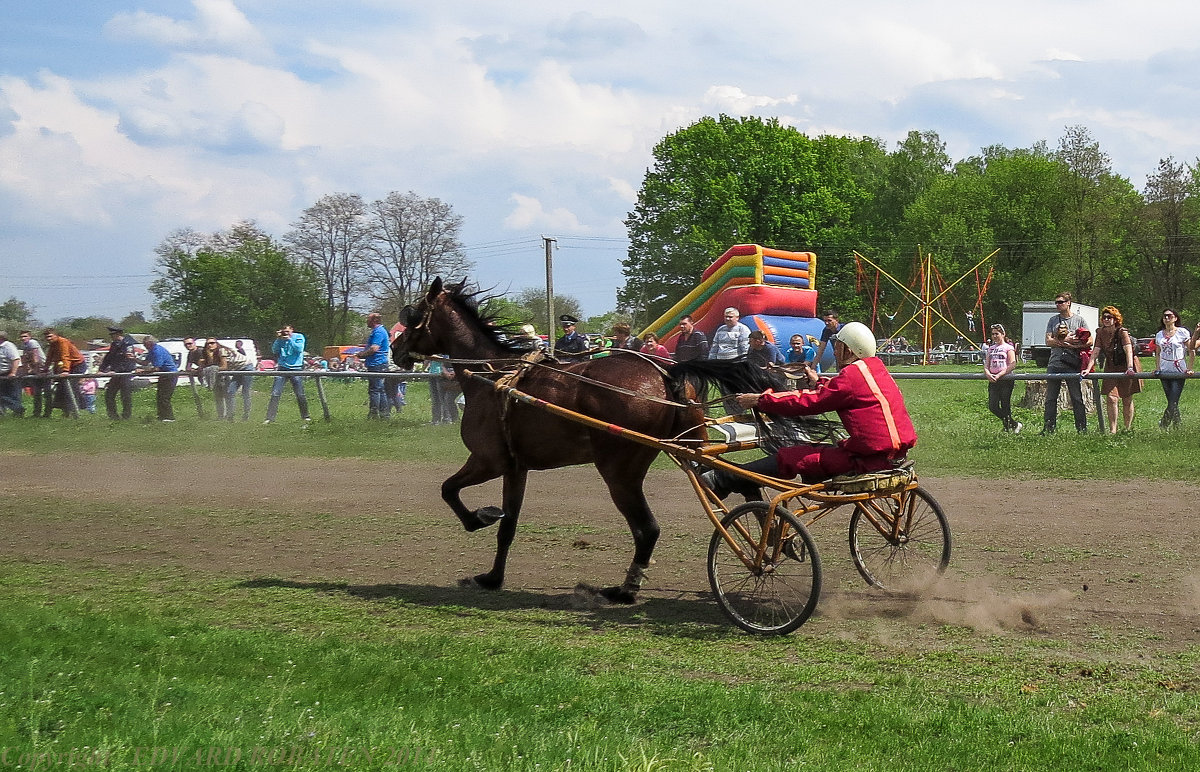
(130,667)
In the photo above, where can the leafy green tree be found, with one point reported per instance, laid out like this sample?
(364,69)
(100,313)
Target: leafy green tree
(15,314)
(1096,217)
(1170,237)
(239,283)
(727,181)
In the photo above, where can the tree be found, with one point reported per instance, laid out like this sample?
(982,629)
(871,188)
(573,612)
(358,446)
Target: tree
(529,306)
(16,314)
(1170,240)
(333,237)
(238,283)
(414,240)
(1096,215)
(727,181)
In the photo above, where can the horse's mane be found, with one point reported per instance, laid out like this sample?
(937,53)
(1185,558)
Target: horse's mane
(741,377)
(728,376)
(470,302)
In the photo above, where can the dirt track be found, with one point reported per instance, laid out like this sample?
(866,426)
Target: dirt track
(1050,559)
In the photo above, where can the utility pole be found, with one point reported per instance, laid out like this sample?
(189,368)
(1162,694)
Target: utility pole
(550,326)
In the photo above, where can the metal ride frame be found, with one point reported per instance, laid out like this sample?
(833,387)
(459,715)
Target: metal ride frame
(763,565)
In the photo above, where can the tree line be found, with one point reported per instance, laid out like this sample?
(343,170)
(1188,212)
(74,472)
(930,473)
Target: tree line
(1060,218)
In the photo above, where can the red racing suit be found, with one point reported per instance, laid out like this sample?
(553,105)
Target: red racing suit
(871,408)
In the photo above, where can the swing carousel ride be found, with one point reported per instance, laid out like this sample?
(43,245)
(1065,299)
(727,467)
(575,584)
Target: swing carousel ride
(932,302)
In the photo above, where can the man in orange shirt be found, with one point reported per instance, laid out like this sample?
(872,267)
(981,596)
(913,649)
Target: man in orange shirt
(63,357)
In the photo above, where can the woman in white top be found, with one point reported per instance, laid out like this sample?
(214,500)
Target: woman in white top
(1171,346)
(999,360)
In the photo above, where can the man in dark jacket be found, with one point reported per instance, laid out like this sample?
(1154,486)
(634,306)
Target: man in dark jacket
(571,341)
(121,361)
(691,343)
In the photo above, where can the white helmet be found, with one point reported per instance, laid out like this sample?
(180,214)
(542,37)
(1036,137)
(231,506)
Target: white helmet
(858,338)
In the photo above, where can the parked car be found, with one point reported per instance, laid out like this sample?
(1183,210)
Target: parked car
(1144,347)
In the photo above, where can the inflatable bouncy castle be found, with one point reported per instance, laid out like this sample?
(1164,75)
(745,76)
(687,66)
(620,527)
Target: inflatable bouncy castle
(775,291)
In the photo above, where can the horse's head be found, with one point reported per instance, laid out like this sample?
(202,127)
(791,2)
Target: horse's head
(417,337)
(448,320)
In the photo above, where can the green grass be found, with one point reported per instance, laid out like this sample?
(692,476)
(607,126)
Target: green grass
(957,435)
(129,662)
(97,656)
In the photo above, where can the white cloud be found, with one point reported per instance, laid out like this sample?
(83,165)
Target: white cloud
(257,112)
(218,24)
(731,99)
(530,214)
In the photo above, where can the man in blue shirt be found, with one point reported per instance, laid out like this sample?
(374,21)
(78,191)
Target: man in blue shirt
(159,360)
(375,356)
(288,348)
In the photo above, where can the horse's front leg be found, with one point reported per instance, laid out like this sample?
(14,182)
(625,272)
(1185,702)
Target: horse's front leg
(514,495)
(624,480)
(472,473)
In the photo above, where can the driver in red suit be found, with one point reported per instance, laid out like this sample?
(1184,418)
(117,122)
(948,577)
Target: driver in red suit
(865,398)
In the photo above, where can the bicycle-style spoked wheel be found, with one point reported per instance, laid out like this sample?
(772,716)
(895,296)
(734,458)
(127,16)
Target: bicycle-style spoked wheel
(904,557)
(780,591)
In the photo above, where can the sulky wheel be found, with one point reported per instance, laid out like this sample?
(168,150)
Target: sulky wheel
(779,591)
(897,556)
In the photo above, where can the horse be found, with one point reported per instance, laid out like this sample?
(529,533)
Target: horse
(508,439)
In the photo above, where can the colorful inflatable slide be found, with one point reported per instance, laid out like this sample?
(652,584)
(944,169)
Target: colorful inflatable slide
(775,291)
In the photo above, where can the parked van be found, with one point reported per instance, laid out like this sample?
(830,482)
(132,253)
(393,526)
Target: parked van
(179,351)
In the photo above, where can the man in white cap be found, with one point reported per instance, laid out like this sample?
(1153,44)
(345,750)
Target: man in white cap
(865,398)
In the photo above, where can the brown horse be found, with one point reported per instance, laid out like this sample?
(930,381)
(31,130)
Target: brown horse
(507,439)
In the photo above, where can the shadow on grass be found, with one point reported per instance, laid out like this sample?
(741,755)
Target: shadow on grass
(692,615)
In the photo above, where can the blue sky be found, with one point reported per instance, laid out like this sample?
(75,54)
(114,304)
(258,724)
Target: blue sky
(123,120)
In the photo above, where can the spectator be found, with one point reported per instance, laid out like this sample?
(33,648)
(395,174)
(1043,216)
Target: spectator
(443,391)
(652,347)
(999,360)
(192,359)
(1171,344)
(239,363)
(87,393)
(1114,347)
(830,329)
(692,344)
(571,342)
(801,351)
(623,338)
(1064,358)
(10,387)
(732,339)
(211,362)
(62,358)
(763,352)
(375,356)
(33,363)
(288,348)
(159,360)
(120,359)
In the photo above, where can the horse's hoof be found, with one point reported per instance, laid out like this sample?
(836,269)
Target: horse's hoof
(619,595)
(482,518)
(480,582)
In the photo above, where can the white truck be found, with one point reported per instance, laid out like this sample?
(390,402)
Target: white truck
(1035,316)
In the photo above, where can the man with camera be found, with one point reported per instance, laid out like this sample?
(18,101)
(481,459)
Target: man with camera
(288,348)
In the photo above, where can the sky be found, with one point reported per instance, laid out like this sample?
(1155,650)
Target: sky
(122,121)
